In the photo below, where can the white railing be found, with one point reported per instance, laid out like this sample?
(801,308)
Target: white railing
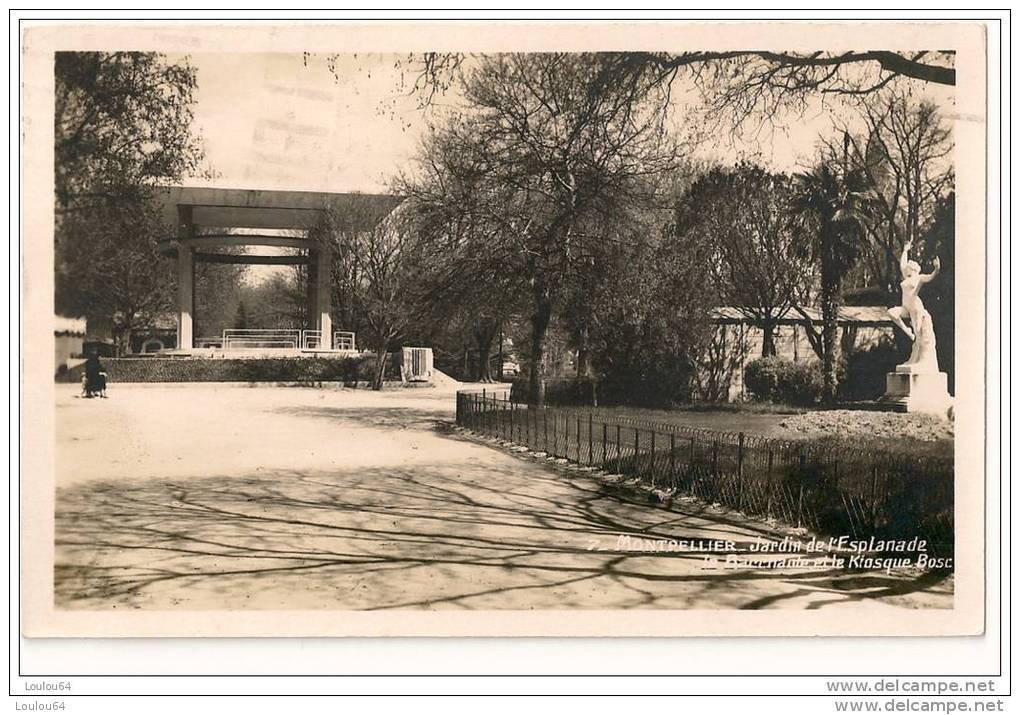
(311,339)
(246,338)
(240,338)
(343,340)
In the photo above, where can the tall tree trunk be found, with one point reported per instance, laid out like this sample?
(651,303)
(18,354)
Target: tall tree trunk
(122,344)
(539,324)
(768,338)
(583,353)
(380,367)
(484,335)
(830,307)
(500,357)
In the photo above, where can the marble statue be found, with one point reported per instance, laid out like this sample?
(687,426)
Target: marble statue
(916,385)
(920,332)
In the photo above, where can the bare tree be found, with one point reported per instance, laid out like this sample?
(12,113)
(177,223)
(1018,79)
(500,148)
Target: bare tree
(735,85)
(754,261)
(907,156)
(466,226)
(375,266)
(112,271)
(566,140)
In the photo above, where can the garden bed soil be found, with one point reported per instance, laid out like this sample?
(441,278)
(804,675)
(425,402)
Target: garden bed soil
(845,424)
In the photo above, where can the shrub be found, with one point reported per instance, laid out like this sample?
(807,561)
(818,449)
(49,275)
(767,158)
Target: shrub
(866,370)
(773,379)
(568,391)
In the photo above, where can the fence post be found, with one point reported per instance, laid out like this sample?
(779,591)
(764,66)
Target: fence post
(772,486)
(605,444)
(591,440)
(740,471)
(579,460)
(715,459)
(512,435)
(531,417)
(637,447)
(672,457)
(652,465)
(545,431)
(874,497)
(556,435)
(619,462)
(800,491)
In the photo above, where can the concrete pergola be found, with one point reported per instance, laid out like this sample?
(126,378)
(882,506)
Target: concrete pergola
(205,217)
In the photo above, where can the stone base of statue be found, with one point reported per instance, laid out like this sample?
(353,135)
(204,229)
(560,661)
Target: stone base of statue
(917,392)
(917,385)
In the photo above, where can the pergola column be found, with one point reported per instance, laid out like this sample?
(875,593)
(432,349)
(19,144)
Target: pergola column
(185,297)
(312,291)
(323,264)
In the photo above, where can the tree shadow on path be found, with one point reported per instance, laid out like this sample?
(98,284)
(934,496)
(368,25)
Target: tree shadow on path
(509,535)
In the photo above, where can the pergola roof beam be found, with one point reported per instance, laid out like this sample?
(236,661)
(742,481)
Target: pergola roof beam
(243,259)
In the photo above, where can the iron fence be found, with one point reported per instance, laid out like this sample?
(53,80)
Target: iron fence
(857,492)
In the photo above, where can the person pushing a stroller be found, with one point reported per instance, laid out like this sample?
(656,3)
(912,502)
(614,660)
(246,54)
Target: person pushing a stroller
(94,379)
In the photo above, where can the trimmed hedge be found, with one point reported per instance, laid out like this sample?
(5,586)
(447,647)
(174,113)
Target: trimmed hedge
(566,391)
(587,392)
(349,370)
(773,379)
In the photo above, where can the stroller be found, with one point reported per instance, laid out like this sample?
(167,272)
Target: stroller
(93,380)
(96,388)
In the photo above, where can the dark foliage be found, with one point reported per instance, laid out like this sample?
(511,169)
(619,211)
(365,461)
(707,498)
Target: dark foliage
(866,371)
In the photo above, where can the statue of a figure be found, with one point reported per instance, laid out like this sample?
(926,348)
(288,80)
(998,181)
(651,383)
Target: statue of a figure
(920,332)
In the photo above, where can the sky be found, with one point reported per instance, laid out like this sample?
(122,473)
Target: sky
(287,121)
(276,121)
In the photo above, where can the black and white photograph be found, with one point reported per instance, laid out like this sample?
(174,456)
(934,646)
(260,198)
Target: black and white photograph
(493,331)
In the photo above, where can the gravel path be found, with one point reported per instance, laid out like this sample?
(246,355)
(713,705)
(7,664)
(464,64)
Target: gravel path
(200,497)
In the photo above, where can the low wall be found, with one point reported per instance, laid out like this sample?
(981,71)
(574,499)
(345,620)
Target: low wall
(350,370)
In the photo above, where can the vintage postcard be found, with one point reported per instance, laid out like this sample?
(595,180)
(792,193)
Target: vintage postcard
(503,329)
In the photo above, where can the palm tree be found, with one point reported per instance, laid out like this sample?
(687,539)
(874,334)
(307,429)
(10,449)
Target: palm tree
(831,204)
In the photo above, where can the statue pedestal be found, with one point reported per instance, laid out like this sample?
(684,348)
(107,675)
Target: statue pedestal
(910,390)
(917,385)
